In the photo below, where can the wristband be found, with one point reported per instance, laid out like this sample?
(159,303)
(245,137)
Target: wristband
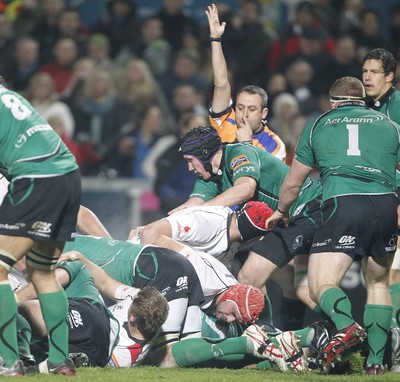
(282,212)
(215,39)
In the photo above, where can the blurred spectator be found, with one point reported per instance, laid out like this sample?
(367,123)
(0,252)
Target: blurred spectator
(41,94)
(70,25)
(99,117)
(250,65)
(24,64)
(287,122)
(28,16)
(7,41)
(139,88)
(165,166)
(303,16)
(60,68)
(311,49)
(322,105)
(98,50)
(120,25)
(186,98)
(176,22)
(395,30)
(276,85)
(46,28)
(136,145)
(58,125)
(370,35)
(185,70)
(153,47)
(349,18)
(73,91)
(343,63)
(299,77)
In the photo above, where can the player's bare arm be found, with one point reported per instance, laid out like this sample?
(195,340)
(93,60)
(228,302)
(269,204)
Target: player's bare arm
(222,88)
(89,224)
(289,192)
(242,191)
(105,284)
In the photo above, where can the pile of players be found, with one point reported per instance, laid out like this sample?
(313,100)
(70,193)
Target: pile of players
(168,295)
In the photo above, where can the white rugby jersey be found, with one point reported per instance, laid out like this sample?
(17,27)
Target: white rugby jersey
(204,229)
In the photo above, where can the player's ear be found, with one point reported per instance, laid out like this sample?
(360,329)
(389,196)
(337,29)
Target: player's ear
(264,113)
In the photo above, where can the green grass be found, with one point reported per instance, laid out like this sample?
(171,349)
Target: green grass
(146,373)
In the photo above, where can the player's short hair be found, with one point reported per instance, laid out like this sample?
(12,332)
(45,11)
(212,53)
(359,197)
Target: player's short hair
(150,309)
(248,299)
(251,219)
(253,89)
(202,142)
(389,64)
(346,89)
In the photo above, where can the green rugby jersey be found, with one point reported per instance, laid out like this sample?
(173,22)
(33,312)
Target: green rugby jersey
(356,149)
(81,283)
(241,160)
(389,104)
(29,146)
(117,258)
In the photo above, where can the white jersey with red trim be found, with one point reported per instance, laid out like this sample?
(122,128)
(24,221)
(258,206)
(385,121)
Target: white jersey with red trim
(204,229)
(129,351)
(213,275)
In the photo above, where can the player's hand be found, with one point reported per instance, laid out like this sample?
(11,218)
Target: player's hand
(276,217)
(244,132)
(70,256)
(135,233)
(216,28)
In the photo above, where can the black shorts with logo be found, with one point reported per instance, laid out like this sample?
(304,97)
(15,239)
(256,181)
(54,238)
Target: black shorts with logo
(170,273)
(42,208)
(281,244)
(89,330)
(358,225)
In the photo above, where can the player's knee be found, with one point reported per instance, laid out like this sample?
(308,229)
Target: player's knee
(36,260)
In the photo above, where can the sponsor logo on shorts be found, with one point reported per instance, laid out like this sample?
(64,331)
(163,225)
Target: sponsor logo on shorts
(12,227)
(347,240)
(187,229)
(298,242)
(41,227)
(239,161)
(322,243)
(392,244)
(165,291)
(74,319)
(181,283)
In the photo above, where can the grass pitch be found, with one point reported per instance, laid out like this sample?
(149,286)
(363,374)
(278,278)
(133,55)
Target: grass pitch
(147,373)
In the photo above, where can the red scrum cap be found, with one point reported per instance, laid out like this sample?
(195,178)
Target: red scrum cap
(248,299)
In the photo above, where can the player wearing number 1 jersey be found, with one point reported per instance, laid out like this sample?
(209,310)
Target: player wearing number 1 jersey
(38,215)
(357,150)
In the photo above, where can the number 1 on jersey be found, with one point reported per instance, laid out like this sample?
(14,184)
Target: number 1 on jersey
(353,140)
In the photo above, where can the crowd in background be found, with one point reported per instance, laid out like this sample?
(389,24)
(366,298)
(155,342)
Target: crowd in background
(120,88)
